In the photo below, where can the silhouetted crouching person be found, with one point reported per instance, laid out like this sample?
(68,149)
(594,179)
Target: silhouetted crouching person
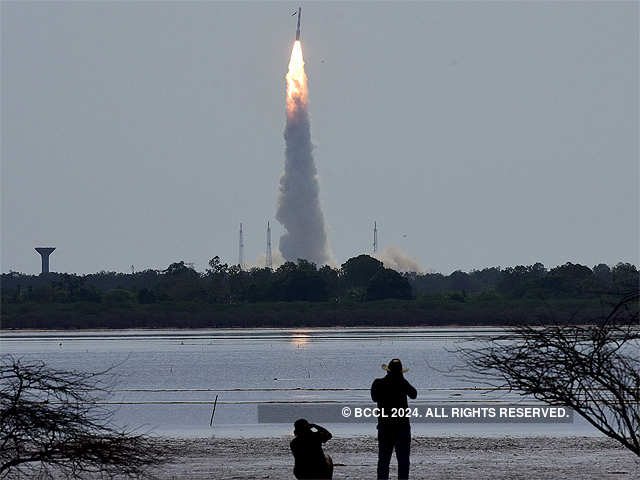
(310,460)
(390,392)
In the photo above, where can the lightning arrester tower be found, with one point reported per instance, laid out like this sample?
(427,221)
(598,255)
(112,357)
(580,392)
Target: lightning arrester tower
(375,237)
(44,253)
(241,250)
(269,261)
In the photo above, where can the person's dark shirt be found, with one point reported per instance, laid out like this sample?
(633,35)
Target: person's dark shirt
(391,392)
(308,454)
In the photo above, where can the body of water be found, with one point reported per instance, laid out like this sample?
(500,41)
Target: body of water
(166,380)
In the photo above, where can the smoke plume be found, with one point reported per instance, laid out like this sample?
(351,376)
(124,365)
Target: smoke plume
(299,209)
(276,260)
(394,258)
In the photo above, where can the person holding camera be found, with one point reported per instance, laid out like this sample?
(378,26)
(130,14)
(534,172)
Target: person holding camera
(310,460)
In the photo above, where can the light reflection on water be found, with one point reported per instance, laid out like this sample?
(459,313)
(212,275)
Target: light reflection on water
(167,379)
(300,337)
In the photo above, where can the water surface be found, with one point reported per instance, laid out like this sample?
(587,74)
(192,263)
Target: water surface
(167,380)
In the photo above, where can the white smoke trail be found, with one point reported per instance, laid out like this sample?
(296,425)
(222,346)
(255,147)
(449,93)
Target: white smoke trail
(299,208)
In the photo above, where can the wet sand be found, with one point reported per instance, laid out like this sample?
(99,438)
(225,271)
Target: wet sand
(431,458)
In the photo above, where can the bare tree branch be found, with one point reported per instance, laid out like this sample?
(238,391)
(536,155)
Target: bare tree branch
(51,423)
(593,369)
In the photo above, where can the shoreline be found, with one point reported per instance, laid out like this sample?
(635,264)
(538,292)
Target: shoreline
(272,328)
(431,458)
(275,328)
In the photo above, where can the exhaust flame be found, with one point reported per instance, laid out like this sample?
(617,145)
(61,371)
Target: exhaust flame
(299,208)
(296,79)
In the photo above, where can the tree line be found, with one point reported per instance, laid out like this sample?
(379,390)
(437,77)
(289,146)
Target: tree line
(359,279)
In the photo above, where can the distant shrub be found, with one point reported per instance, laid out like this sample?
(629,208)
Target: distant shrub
(388,283)
(118,296)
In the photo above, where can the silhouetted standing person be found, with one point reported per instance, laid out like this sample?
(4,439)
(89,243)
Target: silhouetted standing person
(391,392)
(310,460)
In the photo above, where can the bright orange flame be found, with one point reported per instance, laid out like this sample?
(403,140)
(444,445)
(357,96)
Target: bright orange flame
(296,79)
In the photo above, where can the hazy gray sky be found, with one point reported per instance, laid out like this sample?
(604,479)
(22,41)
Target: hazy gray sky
(475,134)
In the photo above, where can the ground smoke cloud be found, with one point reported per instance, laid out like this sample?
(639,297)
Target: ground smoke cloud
(396,259)
(276,260)
(299,201)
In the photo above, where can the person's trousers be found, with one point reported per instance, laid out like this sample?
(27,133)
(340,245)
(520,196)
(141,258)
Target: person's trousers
(390,437)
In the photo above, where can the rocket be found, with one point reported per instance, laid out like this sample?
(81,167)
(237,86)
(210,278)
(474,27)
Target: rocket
(298,29)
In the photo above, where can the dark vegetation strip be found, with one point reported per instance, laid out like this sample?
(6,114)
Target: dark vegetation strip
(362,293)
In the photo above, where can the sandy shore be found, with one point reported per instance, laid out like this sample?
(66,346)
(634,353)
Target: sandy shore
(431,458)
